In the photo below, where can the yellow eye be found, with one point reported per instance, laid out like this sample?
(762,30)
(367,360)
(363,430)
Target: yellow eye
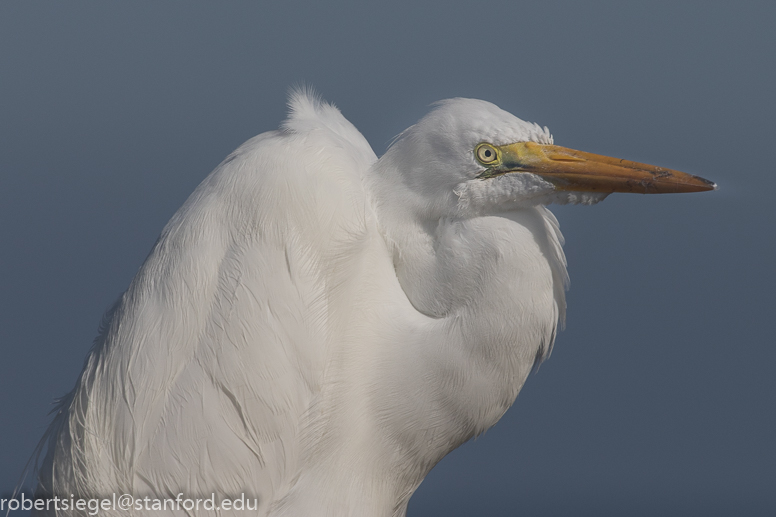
(486,154)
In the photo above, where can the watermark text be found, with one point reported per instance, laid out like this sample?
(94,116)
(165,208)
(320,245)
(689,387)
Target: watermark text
(126,502)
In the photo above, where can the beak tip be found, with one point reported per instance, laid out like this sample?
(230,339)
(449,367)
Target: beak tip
(711,184)
(703,184)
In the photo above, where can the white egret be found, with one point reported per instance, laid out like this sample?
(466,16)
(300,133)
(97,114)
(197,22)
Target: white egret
(317,328)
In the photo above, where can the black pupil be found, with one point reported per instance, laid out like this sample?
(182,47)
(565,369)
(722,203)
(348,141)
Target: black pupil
(487,153)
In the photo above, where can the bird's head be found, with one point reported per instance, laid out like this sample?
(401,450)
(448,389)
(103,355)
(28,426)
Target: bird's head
(469,157)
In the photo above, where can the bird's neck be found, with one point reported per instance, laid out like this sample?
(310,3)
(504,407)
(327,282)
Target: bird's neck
(485,296)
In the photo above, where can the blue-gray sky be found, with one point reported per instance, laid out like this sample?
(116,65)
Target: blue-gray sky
(659,398)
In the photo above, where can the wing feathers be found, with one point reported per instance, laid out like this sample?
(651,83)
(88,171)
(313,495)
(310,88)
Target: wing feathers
(225,330)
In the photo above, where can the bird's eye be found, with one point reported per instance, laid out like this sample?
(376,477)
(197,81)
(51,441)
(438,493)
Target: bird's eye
(486,154)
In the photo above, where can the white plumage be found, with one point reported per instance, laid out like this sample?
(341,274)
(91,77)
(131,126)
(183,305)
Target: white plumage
(316,328)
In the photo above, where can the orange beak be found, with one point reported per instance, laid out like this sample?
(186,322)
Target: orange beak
(568,169)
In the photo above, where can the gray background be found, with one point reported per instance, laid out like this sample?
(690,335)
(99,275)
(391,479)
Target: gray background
(659,397)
